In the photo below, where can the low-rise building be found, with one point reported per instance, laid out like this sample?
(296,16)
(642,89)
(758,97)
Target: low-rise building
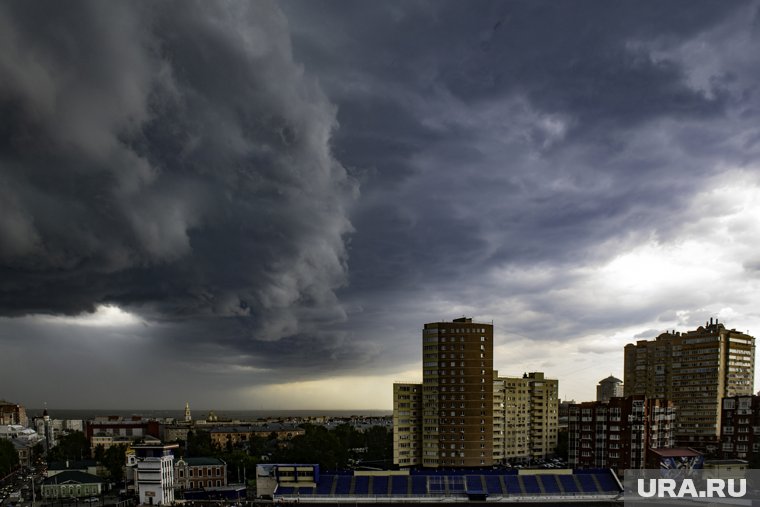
(23,439)
(201,472)
(675,458)
(236,435)
(72,484)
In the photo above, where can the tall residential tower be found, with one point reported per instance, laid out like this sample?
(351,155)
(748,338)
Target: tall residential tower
(694,370)
(447,421)
(526,417)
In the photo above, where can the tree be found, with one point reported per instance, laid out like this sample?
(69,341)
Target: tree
(379,444)
(199,443)
(99,453)
(114,459)
(349,437)
(318,445)
(8,457)
(73,447)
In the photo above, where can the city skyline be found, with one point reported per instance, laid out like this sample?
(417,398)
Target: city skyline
(258,205)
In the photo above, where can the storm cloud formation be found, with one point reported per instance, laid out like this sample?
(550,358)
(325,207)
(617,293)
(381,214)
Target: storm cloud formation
(285,192)
(170,157)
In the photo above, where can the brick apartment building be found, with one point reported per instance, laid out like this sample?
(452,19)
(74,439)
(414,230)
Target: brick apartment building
(616,434)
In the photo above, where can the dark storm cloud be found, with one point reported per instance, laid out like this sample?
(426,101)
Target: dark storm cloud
(171,157)
(184,162)
(567,86)
(523,135)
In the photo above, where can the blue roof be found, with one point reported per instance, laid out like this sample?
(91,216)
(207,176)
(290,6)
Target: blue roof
(461,483)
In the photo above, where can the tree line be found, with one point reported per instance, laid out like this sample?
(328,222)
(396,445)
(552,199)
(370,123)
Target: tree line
(332,449)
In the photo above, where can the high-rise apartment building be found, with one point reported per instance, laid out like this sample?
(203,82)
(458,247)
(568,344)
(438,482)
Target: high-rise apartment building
(407,424)
(617,433)
(694,370)
(740,428)
(609,387)
(456,426)
(525,411)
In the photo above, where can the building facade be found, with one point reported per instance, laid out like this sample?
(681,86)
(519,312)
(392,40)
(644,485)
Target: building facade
(155,473)
(695,370)
(610,387)
(116,430)
(407,424)
(457,395)
(201,472)
(72,484)
(526,417)
(616,434)
(224,436)
(740,428)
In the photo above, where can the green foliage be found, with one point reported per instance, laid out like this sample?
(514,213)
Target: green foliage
(199,443)
(239,465)
(379,443)
(115,459)
(8,457)
(318,445)
(100,453)
(73,447)
(331,449)
(349,437)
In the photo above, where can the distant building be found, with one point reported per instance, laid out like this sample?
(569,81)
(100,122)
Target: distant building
(53,429)
(616,434)
(457,396)
(740,427)
(526,417)
(236,435)
(197,473)
(610,387)
(155,473)
(117,430)
(695,370)
(12,413)
(175,432)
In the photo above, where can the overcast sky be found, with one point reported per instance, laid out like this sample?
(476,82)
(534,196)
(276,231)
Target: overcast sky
(259,204)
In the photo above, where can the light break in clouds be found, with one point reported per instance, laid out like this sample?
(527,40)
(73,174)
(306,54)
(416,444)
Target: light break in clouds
(259,204)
